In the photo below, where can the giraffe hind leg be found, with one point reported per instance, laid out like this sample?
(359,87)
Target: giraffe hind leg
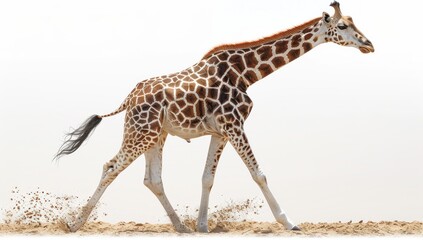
(136,142)
(153,180)
(215,150)
(110,171)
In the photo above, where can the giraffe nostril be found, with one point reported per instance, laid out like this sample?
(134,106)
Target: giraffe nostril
(368,43)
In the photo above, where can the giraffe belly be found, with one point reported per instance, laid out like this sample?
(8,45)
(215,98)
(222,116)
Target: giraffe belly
(189,128)
(186,133)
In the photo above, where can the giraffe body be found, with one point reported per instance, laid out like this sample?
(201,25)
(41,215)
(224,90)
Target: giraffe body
(208,98)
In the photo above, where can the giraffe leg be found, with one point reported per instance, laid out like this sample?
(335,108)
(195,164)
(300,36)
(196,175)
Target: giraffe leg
(239,141)
(215,150)
(153,180)
(110,171)
(136,142)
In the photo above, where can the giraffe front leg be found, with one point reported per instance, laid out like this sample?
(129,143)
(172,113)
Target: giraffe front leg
(153,180)
(239,141)
(215,151)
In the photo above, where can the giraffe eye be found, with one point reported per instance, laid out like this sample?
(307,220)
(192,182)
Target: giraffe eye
(342,27)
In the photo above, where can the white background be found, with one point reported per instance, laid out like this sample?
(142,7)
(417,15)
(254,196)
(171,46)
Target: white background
(339,134)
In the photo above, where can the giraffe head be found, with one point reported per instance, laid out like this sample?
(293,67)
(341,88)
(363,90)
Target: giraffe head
(342,30)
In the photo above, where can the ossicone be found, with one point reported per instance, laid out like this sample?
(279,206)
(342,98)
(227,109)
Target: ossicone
(338,13)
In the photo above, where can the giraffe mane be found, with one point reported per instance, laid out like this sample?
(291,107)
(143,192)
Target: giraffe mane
(276,36)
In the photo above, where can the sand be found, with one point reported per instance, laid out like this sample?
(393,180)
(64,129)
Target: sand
(41,213)
(383,228)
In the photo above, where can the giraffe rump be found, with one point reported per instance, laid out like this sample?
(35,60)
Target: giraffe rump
(78,136)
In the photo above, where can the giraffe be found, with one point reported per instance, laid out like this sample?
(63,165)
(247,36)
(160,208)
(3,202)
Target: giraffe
(208,98)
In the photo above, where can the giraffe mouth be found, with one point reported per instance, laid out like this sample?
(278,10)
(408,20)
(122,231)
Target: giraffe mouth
(366,49)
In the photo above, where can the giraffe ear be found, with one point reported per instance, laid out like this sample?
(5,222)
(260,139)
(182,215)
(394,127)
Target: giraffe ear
(326,17)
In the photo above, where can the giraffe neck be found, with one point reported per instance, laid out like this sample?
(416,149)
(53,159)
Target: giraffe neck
(244,64)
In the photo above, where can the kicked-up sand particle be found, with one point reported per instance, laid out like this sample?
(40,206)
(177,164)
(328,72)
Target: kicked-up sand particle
(42,207)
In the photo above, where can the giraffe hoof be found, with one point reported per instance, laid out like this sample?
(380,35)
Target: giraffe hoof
(203,230)
(65,226)
(71,228)
(183,229)
(295,228)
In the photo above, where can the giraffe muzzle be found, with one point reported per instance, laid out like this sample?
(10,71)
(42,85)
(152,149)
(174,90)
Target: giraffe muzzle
(367,47)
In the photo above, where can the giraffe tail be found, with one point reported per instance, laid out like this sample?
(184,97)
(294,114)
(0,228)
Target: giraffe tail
(75,138)
(120,109)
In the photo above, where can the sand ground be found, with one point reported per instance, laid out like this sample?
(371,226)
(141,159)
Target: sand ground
(384,228)
(40,213)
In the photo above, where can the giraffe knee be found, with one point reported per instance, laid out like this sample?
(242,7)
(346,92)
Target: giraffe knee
(156,186)
(111,165)
(208,180)
(108,167)
(110,171)
(149,183)
(260,179)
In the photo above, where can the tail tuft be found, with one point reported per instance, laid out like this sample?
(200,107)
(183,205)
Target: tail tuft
(78,136)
